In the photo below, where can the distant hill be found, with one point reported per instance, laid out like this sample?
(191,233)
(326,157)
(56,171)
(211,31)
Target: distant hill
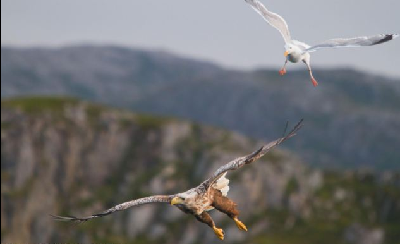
(69,157)
(352,118)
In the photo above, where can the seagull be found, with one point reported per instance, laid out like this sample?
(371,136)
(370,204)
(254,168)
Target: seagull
(299,51)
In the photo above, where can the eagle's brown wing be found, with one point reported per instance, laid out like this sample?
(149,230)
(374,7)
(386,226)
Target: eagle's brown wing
(240,162)
(119,207)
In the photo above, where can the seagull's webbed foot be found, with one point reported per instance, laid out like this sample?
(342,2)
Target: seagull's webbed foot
(314,82)
(240,225)
(282,71)
(219,233)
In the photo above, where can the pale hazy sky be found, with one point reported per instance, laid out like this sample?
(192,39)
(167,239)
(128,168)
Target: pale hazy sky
(227,32)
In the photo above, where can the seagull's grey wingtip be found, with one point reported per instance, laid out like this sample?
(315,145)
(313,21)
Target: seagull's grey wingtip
(385,38)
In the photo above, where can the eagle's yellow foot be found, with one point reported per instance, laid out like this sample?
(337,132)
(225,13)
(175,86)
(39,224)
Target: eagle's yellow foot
(240,225)
(219,233)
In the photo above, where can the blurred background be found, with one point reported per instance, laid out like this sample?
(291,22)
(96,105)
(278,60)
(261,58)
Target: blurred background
(103,102)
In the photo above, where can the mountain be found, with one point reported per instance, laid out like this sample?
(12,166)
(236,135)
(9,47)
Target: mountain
(352,118)
(70,157)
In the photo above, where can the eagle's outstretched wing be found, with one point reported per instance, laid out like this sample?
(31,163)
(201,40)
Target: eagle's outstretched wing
(275,20)
(240,162)
(353,42)
(119,207)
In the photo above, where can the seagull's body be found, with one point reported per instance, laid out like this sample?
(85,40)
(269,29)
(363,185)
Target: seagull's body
(297,51)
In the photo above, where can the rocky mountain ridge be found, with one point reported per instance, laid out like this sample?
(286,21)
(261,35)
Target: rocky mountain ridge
(353,116)
(70,157)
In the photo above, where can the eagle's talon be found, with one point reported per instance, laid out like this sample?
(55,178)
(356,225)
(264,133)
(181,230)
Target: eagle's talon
(240,225)
(282,71)
(219,233)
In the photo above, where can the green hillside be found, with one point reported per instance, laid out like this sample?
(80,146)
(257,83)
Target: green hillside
(70,157)
(353,117)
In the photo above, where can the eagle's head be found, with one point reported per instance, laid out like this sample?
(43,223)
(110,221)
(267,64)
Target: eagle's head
(178,201)
(187,201)
(183,198)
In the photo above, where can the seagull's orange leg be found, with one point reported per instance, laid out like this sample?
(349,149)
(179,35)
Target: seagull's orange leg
(314,82)
(283,70)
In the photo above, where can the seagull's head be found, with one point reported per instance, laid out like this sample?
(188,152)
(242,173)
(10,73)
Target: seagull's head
(290,49)
(293,52)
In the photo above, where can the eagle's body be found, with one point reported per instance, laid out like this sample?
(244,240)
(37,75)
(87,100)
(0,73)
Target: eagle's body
(196,203)
(210,194)
(200,199)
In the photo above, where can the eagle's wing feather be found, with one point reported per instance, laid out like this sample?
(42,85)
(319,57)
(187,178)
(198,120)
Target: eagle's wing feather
(240,162)
(353,42)
(119,207)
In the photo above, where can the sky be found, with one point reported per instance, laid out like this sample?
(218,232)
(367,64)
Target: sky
(227,32)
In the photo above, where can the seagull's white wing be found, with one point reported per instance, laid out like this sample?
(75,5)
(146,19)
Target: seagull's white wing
(272,18)
(119,207)
(353,42)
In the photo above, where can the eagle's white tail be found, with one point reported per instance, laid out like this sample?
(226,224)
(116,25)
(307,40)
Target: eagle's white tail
(222,184)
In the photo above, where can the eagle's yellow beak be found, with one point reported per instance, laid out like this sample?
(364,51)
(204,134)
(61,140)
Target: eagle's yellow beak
(177,200)
(286,53)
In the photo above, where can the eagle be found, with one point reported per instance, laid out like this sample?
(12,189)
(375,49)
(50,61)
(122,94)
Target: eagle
(198,201)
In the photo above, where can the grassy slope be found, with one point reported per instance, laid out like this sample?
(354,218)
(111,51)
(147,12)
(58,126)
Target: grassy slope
(363,203)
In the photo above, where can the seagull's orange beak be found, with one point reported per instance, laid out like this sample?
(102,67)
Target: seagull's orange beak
(286,53)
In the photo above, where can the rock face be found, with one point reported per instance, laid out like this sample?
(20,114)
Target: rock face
(359,235)
(68,157)
(347,114)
